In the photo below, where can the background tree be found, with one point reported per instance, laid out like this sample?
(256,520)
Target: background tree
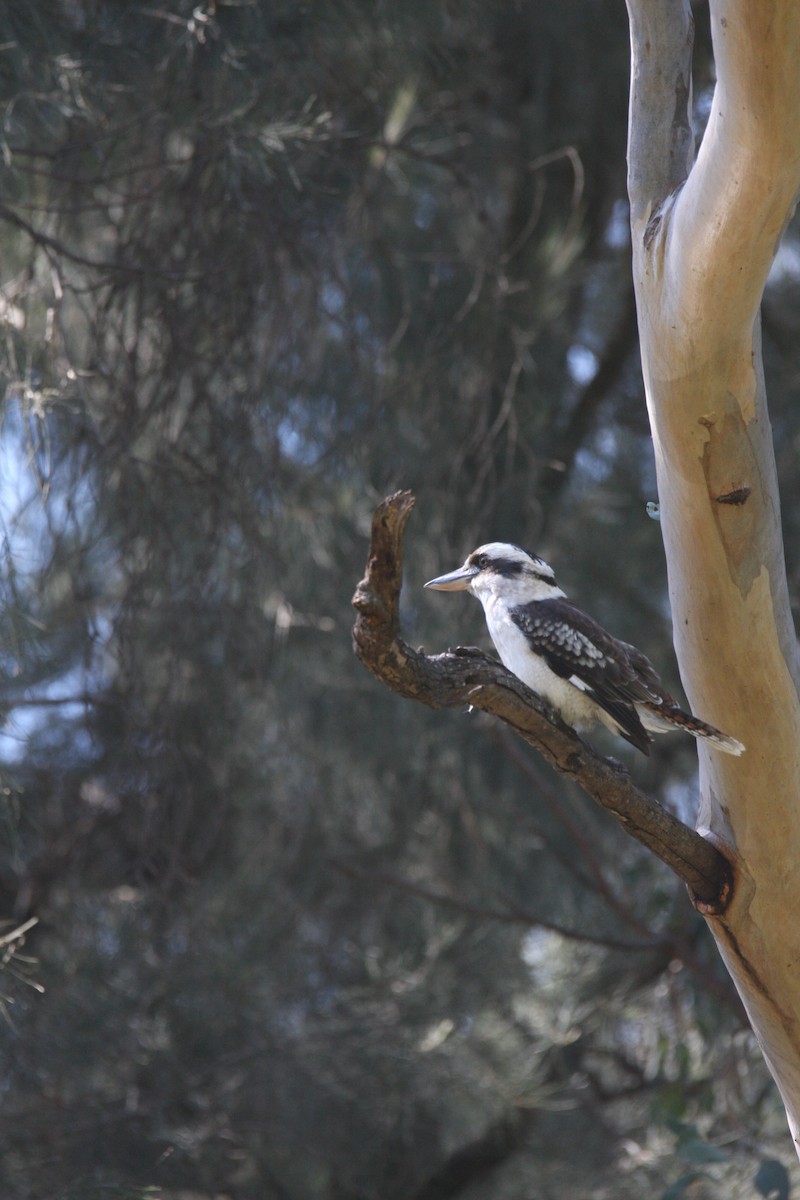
(261,265)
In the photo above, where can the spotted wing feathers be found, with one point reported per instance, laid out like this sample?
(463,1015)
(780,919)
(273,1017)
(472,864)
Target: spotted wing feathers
(615,675)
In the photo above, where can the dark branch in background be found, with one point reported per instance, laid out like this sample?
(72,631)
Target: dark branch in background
(54,247)
(616,353)
(580,839)
(474,1161)
(511,914)
(469,677)
(671,943)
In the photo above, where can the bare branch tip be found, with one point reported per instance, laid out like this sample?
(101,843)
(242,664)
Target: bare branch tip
(396,507)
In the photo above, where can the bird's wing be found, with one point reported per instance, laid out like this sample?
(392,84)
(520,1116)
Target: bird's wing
(615,675)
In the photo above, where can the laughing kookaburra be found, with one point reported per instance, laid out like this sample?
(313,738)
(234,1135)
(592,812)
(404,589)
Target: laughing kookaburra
(566,657)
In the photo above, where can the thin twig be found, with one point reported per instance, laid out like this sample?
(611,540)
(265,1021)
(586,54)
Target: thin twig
(511,913)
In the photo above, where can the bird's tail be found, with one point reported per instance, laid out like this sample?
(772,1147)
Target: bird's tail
(663,718)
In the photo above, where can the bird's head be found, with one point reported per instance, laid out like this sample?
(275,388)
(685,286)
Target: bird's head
(502,569)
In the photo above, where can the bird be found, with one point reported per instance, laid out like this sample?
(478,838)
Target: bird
(565,656)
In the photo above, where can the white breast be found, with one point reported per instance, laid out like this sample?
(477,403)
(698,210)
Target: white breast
(511,644)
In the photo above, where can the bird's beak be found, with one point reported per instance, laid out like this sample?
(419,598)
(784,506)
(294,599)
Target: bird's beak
(455,581)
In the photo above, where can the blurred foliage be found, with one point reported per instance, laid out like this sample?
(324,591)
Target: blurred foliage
(262,264)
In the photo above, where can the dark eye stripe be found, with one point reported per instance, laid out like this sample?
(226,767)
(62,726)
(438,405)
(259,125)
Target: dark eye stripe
(545,578)
(511,568)
(506,566)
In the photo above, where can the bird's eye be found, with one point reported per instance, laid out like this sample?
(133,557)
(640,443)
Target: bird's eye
(483,561)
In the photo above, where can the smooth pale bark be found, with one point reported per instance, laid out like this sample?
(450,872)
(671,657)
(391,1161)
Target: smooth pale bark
(701,255)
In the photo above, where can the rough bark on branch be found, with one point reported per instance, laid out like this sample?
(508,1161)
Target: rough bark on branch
(469,677)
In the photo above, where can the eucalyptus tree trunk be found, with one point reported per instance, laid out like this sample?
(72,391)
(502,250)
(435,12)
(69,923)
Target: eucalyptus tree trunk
(704,236)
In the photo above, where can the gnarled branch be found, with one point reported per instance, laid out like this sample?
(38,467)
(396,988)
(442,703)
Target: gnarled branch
(470,677)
